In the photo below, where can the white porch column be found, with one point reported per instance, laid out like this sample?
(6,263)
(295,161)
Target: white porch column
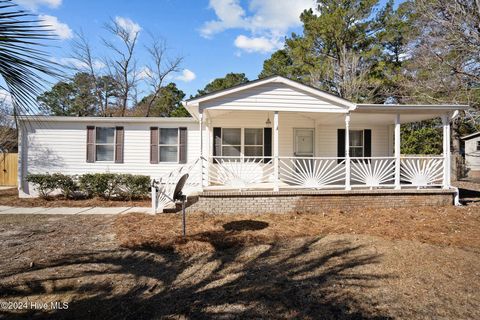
(347,152)
(202,162)
(397,151)
(446,151)
(275,152)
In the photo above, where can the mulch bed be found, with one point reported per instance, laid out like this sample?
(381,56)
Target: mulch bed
(10,197)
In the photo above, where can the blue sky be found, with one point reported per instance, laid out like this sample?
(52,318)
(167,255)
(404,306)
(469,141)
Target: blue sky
(214,36)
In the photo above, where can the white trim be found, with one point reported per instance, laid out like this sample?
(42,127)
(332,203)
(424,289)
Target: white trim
(118,120)
(397,151)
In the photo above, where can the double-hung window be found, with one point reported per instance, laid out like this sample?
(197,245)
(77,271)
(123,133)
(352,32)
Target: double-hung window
(168,145)
(104,144)
(231,142)
(356,143)
(242,141)
(253,142)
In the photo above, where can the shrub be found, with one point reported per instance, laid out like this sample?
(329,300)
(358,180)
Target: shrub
(99,184)
(44,183)
(66,184)
(133,186)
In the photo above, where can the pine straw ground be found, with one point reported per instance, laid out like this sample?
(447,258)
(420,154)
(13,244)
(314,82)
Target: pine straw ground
(411,263)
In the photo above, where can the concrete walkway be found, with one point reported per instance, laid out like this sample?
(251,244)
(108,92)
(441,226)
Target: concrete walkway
(73,210)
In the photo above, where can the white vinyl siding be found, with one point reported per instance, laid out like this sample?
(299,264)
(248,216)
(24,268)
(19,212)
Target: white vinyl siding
(273,95)
(61,147)
(472,154)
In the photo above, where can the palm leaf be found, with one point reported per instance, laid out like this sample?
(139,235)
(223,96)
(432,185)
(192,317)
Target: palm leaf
(24,65)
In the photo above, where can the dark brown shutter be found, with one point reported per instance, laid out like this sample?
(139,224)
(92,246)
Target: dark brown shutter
(120,133)
(182,152)
(90,144)
(217,143)
(267,144)
(153,145)
(367,140)
(340,144)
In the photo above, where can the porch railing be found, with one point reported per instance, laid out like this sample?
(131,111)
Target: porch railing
(325,172)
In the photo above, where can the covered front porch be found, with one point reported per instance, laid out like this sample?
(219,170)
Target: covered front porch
(342,150)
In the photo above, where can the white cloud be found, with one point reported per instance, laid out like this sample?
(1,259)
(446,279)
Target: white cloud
(257,44)
(34,4)
(186,76)
(62,30)
(128,25)
(72,62)
(144,73)
(268,21)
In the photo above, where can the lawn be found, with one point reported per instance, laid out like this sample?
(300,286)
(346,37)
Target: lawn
(420,263)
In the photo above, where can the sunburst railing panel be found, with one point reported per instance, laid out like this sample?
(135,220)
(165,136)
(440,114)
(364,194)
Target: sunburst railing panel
(165,185)
(240,172)
(373,171)
(422,171)
(308,172)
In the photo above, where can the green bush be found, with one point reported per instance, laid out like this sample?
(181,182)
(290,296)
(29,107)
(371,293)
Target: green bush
(44,183)
(133,186)
(99,184)
(66,184)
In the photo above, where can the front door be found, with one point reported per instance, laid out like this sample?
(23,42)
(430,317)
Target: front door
(304,142)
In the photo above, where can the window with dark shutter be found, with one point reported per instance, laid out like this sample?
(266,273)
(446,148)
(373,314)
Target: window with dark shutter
(154,145)
(182,152)
(367,137)
(340,144)
(90,144)
(119,142)
(267,144)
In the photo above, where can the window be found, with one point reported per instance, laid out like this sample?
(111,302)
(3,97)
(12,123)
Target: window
(168,145)
(231,142)
(356,143)
(253,142)
(478,145)
(104,144)
(242,141)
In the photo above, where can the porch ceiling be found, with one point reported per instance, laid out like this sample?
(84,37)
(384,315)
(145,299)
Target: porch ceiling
(364,118)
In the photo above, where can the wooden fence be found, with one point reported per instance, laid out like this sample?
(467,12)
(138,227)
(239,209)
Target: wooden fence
(8,169)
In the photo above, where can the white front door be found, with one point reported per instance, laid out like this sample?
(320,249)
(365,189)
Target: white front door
(304,142)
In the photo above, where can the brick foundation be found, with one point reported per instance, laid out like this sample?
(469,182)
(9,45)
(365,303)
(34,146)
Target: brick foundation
(315,201)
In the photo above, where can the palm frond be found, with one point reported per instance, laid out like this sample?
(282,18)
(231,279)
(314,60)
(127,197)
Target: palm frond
(24,65)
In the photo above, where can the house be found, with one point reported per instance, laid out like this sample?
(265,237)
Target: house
(472,154)
(268,145)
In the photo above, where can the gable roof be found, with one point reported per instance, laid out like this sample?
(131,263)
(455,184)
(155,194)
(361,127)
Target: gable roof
(271,79)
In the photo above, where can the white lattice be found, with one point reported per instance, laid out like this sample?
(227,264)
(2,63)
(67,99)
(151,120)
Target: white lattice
(422,171)
(372,172)
(311,172)
(240,172)
(166,183)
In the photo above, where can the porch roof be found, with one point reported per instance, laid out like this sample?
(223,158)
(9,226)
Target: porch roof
(225,100)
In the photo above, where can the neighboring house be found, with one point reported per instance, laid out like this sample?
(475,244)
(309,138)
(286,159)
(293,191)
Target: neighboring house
(272,135)
(472,154)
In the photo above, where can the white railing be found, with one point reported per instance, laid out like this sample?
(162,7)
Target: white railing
(325,172)
(164,186)
(422,171)
(308,172)
(373,171)
(240,172)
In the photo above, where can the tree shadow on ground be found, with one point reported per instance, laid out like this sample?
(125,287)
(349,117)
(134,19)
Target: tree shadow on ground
(304,279)
(468,195)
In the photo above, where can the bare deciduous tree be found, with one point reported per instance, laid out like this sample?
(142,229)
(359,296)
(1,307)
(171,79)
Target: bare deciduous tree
(159,69)
(122,66)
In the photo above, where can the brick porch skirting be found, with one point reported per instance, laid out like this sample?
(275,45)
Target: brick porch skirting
(311,201)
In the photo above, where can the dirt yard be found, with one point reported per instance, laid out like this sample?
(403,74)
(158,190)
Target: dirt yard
(421,263)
